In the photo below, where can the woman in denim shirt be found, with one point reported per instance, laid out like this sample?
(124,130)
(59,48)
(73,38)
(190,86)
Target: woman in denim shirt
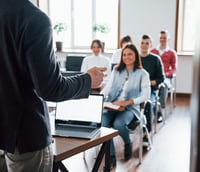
(128,86)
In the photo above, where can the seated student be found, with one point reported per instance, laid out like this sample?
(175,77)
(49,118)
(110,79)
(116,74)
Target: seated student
(115,59)
(98,60)
(153,65)
(128,86)
(169,59)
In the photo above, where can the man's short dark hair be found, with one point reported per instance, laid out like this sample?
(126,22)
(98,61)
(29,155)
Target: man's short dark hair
(126,38)
(165,32)
(145,36)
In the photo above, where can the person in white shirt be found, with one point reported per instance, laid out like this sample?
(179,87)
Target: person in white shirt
(115,59)
(98,60)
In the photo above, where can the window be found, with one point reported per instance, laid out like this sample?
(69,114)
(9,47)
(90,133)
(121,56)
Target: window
(80,18)
(34,2)
(185,26)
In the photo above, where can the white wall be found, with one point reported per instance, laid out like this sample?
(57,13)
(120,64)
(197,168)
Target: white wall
(148,17)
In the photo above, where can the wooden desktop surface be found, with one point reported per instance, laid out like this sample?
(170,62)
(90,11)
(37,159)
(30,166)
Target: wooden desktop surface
(66,147)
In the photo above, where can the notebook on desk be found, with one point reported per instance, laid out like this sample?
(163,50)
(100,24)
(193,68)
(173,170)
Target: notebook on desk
(79,118)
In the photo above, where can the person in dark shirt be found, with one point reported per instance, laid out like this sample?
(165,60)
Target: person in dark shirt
(30,76)
(153,65)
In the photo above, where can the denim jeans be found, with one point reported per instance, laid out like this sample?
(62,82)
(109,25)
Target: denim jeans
(119,121)
(38,161)
(153,99)
(163,91)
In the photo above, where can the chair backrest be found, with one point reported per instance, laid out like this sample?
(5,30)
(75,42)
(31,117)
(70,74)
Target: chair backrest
(74,62)
(145,109)
(112,65)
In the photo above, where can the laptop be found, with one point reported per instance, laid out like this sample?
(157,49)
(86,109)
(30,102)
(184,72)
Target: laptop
(74,62)
(79,118)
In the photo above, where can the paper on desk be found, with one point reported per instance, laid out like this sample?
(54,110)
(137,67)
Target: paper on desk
(109,105)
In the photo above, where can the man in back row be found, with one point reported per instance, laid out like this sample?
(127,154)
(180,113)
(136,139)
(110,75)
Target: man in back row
(29,76)
(153,65)
(169,59)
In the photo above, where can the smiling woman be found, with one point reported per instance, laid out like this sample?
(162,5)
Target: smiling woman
(128,86)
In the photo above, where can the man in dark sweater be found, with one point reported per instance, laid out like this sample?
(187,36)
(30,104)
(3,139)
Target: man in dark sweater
(29,76)
(153,65)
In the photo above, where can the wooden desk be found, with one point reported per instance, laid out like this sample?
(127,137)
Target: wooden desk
(66,147)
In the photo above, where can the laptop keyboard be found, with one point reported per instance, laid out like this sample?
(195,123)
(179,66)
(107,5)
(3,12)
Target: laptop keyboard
(74,128)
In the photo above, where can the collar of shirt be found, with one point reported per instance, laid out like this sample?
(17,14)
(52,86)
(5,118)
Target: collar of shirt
(161,51)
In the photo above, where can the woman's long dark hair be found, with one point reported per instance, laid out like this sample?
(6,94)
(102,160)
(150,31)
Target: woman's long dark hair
(137,65)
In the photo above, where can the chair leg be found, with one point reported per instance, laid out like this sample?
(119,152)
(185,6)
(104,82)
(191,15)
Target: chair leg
(84,155)
(145,114)
(140,142)
(164,115)
(156,115)
(145,129)
(173,94)
(96,151)
(163,111)
(171,100)
(174,98)
(149,137)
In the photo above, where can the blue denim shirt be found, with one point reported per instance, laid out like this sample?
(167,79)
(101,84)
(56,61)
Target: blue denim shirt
(138,87)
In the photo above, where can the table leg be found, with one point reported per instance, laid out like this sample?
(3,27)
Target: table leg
(105,150)
(107,157)
(59,166)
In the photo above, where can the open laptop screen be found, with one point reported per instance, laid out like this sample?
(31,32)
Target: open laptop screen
(85,110)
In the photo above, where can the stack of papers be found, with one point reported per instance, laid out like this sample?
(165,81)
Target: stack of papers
(110,106)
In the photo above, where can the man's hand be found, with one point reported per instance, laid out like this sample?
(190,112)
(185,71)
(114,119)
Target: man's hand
(96,74)
(153,83)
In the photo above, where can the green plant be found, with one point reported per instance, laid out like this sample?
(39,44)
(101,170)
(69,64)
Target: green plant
(59,27)
(102,28)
